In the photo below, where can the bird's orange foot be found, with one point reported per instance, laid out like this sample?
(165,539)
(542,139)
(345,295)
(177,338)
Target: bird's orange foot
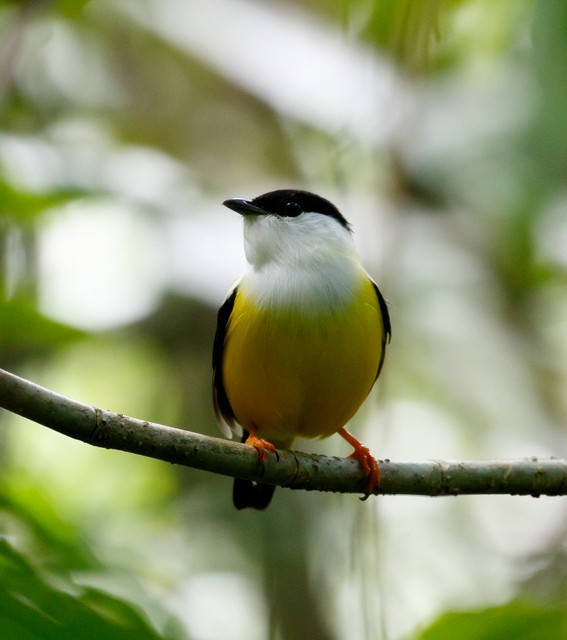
(369,466)
(368,463)
(261,446)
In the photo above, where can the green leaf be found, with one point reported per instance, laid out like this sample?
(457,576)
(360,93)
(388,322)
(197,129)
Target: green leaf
(31,606)
(46,575)
(515,620)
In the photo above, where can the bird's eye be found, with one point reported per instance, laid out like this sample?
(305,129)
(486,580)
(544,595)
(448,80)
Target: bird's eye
(292,208)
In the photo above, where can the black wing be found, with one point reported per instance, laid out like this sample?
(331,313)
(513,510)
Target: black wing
(223,410)
(387,334)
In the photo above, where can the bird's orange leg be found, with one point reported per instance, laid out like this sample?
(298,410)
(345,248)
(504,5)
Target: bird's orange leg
(259,444)
(367,461)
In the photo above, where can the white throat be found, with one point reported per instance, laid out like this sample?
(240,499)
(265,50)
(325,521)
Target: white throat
(307,263)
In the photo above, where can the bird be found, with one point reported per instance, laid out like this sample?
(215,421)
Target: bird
(301,337)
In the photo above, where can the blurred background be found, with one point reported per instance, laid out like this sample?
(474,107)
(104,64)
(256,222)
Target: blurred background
(439,128)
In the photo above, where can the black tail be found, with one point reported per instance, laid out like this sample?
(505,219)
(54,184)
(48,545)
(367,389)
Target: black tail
(248,494)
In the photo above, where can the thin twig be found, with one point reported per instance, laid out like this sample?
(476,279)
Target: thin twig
(291,469)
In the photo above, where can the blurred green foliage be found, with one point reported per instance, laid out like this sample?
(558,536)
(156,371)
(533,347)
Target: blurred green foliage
(510,621)
(40,337)
(41,594)
(438,126)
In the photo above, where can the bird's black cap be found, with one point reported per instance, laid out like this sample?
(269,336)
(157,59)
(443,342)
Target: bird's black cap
(287,203)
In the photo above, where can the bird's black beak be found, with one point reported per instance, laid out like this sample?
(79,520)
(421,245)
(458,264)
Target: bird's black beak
(244,207)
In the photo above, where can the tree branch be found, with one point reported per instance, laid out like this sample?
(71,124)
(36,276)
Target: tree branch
(291,469)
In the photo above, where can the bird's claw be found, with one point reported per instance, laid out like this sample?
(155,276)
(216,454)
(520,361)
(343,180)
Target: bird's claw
(261,447)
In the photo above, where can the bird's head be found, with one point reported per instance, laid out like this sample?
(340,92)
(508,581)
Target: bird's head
(291,227)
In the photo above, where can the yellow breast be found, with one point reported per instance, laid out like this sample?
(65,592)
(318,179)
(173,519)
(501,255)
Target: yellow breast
(292,374)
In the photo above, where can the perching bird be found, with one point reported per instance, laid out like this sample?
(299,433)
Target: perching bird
(301,337)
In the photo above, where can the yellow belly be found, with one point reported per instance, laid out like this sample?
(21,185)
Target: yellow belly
(306,375)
